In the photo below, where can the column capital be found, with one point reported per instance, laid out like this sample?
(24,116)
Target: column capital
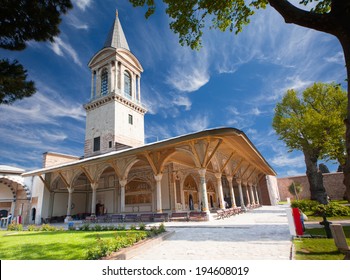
(94,185)
(123,182)
(70,190)
(202,172)
(229,178)
(239,181)
(218,175)
(158,177)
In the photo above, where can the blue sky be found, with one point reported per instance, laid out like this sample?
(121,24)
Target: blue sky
(232,81)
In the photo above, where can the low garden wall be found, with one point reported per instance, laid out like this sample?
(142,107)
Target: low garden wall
(333,183)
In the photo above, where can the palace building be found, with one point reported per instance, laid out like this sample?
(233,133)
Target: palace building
(120,174)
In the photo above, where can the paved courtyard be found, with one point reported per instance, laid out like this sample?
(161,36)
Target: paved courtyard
(259,234)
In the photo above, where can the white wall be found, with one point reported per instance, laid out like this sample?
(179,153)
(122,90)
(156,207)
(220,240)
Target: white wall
(272,187)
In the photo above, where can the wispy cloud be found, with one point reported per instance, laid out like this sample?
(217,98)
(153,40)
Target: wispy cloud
(192,124)
(190,73)
(287,160)
(76,22)
(62,48)
(83,4)
(42,108)
(338,58)
(183,101)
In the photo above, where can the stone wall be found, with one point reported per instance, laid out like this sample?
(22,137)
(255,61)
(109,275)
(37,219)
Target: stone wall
(333,183)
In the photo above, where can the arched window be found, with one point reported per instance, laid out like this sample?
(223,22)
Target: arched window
(104,82)
(127,84)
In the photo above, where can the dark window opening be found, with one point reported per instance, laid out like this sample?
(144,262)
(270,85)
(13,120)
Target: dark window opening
(97,144)
(131,121)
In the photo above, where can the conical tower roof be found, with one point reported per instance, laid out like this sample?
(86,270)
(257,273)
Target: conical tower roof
(116,37)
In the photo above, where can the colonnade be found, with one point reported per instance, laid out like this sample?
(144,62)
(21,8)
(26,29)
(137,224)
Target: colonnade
(248,193)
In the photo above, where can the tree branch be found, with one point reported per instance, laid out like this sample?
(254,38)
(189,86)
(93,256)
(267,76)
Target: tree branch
(292,14)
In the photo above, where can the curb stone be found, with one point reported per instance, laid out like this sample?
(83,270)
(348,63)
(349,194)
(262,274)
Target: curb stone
(128,253)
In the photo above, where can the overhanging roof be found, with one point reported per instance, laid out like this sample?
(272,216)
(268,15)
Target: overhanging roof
(234,140)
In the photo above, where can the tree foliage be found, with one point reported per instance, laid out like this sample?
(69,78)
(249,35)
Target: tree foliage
(189,18)
(26,20)
(13,82)
(323,168)
(313,121)
(20,22)
(295,188)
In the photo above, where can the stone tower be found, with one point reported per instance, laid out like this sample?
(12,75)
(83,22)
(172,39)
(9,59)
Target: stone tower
(114,114)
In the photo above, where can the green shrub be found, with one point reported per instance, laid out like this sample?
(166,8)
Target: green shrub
(142,226)
(304,205)
(332,209)
(121,227)
(161,228)
(97,227)
(47,227)
(104,247)
(85,227)
(15,227)
(133,227)
(33,228)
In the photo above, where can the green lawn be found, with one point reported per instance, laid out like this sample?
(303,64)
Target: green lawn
(59,245)
(318,248)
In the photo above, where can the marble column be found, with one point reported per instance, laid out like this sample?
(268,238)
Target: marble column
(69,207)
(232,192)
(122,183)
(203,190)
(239,182)
(252,199)
(219,188)
(158,179)
(256,194)
(247,193)
(93,199)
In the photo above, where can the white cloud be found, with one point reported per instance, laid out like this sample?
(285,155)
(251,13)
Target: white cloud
(76,22)
(188,79)
(293,172)
(61,48)
(286,160)
(183,101)
(255,111)
(192,124)
(83,4)
(338,58)
(233,110)
(42,108)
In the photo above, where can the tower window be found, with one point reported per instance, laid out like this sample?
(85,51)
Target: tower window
(131,121)
(104,82)
(127,84)
(97,144)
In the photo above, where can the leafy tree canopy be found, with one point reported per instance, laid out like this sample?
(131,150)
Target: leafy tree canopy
(26,20)
(323,168)
(22,21)
(190,17)
(13,84)
(295,188)
(313,121)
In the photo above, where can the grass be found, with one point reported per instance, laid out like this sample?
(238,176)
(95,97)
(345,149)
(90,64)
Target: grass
(59,245)
(318,248)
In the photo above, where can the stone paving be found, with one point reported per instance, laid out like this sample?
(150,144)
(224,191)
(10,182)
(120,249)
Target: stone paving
(259,234)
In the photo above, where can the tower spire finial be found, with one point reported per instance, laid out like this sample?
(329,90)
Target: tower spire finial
(116,37)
